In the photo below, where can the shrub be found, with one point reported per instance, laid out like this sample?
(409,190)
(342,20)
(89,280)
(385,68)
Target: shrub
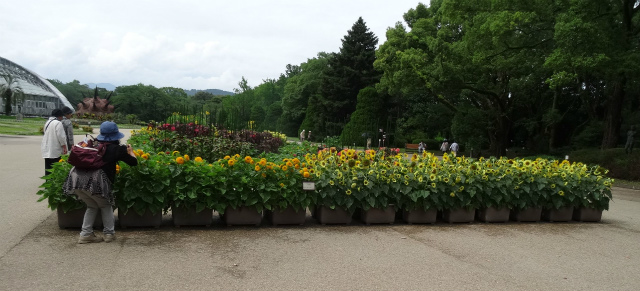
(52,188)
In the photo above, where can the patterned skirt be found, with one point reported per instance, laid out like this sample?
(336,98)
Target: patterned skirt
(94,181)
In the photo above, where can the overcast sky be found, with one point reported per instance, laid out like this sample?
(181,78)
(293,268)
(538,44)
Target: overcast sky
(185,44)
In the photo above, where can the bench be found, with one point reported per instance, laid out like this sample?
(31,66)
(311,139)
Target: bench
(411,146)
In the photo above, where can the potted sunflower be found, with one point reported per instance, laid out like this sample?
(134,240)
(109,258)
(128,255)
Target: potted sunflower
(336,203)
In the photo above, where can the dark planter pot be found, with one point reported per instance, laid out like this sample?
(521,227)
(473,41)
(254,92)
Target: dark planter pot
(563,214)
(74,218)
(492,214)
(133,219)
(188,216)
(420,216)
(242,215)
(287,216)
(327,215)
(377,215)
(531,214)
(587,214)
(458,215)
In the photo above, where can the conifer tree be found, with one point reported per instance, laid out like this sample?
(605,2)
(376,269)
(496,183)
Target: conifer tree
(349,71)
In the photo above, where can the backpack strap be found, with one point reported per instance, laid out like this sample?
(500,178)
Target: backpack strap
(47,126)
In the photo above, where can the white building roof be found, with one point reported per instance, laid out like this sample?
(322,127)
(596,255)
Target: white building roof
(30,82)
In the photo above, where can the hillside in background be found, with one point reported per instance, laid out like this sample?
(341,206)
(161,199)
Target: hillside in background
(212,91)
(109,87)
(191,92)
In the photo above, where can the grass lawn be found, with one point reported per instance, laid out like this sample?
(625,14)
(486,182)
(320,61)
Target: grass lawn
(31,126)
(26,127)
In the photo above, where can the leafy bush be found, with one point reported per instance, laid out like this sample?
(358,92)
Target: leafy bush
(362,123)
(52,188)
(332,141)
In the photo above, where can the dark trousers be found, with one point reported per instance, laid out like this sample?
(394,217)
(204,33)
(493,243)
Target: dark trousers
(48,164)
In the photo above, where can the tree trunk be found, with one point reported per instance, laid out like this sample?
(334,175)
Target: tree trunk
(7,99)
(613,117)
(499,140)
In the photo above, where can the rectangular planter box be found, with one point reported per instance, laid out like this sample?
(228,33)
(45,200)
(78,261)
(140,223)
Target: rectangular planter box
(420,216)
(189,216)
(531,214)
(287,216)
(458,215)
(492,214)
(377,215)
(327,215)
(558,215)
(587,214)
(242,215)
(133,219)
(74,218)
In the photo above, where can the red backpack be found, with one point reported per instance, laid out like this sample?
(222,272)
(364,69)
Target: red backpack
(87,154)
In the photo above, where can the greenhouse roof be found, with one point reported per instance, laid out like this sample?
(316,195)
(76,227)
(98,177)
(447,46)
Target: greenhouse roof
(30,82)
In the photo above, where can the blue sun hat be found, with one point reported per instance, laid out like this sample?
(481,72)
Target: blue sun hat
(109,132)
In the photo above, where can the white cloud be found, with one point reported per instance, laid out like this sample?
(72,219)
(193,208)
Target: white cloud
(186,44)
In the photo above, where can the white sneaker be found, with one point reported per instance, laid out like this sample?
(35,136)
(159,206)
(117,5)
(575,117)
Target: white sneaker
(89,239)
(109,237)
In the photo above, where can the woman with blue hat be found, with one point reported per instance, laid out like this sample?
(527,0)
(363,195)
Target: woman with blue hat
(94,186)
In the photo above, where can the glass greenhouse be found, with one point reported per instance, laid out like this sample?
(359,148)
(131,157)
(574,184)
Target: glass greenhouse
(39,97)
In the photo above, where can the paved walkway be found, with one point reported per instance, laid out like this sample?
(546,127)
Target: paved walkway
(36,255)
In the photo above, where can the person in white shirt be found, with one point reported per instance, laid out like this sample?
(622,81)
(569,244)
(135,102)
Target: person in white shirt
(454,148)
(54,142)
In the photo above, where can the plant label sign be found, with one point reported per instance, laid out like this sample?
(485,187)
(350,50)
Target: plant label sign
(309,186)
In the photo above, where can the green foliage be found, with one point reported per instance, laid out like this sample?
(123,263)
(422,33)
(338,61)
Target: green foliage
(589,137)
(132,119)
(145,187)
(362,124)
(147,102)
(332,141)
(298,90)
(51,189)
(469,128)
(10,92)
(87,129)
(347,73)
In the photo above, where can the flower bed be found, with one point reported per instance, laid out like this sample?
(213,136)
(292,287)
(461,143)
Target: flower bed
(345,179)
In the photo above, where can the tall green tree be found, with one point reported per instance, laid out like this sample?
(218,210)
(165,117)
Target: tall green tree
(348,71)
(237,108)
(597,45)
(304,81)
(471,52)
(10,91)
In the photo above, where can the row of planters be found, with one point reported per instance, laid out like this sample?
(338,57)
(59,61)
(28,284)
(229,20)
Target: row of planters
(244,215)
(346,181)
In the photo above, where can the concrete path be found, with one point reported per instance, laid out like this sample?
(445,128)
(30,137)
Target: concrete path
(36,255)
